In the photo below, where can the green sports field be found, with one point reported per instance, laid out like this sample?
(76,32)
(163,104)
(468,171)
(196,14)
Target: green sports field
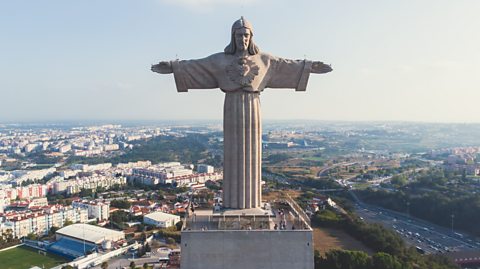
(24,258)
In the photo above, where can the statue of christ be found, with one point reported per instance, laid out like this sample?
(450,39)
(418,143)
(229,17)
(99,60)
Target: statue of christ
(242,72)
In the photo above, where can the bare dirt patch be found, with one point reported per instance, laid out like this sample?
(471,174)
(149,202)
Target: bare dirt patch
(326,239)
(279,194)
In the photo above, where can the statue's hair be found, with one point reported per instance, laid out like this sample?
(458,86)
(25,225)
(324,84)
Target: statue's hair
(240,24)
(232,47)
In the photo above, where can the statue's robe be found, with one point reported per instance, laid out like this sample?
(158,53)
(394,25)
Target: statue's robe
(242,79)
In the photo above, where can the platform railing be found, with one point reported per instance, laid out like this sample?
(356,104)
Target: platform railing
(297,209)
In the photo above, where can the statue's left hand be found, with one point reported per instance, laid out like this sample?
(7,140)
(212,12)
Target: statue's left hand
(319,67)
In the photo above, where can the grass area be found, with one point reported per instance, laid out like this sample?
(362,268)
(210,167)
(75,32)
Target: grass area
(279,194)
(25,257)
(362,186)
(326,239)
(315,159)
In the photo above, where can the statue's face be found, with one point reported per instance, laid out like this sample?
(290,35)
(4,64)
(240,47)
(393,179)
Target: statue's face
(242,39)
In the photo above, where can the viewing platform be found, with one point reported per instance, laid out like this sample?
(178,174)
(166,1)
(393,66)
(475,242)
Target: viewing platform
(279,215)
(276,236)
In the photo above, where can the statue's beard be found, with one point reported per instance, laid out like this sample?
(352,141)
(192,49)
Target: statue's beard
(242,47)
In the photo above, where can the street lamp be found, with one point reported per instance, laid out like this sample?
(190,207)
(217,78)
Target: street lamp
(408,208)
(453,216)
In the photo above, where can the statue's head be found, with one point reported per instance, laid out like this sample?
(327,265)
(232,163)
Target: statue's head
(242,38)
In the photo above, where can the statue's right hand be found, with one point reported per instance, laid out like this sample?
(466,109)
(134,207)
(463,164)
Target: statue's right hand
(162,67)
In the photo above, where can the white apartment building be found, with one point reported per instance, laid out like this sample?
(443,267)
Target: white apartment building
(65,148)
(32,174)
(3,203)
(40,222)
(161,173)
(69,173)
(111,147)
(204,168)
(91,183)
(91,168)
(30,147)
(96,210)
(139,164)
(42,201)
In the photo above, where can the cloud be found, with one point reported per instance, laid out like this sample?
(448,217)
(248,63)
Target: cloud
(206,4)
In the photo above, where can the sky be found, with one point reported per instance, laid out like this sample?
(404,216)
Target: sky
(392,60)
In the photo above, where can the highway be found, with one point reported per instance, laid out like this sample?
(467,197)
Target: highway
(429,237)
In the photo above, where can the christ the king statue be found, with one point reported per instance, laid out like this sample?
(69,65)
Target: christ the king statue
(242,72)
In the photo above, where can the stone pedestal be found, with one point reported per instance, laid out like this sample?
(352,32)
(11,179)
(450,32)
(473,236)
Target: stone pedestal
(252,249)
(277,237)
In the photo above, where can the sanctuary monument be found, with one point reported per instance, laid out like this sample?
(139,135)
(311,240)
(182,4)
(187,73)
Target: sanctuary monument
(242,72)
(247,232)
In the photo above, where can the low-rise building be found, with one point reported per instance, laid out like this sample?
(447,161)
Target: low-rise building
(89,233)
(205,168)
(111,147)
(90,168)
(172,173)
(160,219)
(97,210)
(92,182)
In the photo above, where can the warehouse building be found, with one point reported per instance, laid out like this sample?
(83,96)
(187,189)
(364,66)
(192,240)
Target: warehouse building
(89,233)
(78,240)
(160,219)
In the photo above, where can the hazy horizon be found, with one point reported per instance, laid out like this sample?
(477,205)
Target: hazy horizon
(90,61)
(265,121)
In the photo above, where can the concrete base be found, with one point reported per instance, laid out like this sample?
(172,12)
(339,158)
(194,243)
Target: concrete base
(243,212)
(253,249)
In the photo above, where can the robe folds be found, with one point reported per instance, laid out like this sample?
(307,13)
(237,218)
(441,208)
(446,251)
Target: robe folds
(242,78)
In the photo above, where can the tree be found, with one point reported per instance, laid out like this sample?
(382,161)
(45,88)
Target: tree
(344,259)
(382,260)
(104,265)
(276,158)
(86,192)
(161,195)
(67,222)
(53,230)
(32,236)
(119,216)
(179,225)
(170,240)
(399,180)
(145,266)
(132,265)
(124,204)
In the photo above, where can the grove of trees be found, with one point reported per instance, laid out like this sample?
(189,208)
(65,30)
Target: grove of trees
(390,249)
(433,196)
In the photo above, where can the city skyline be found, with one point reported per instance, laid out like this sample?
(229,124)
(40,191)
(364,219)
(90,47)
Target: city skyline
(392,61)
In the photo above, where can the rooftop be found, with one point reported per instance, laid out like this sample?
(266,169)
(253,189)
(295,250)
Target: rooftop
(280,215)
(90,233)
(160,216)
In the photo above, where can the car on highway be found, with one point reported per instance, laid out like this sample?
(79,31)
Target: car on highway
(420,250)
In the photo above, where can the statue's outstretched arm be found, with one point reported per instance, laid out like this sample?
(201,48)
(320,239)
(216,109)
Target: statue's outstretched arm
(162,67)
(320,67)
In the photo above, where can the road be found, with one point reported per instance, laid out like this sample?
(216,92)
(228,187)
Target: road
(124,260)
(429,237)
(323,172)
